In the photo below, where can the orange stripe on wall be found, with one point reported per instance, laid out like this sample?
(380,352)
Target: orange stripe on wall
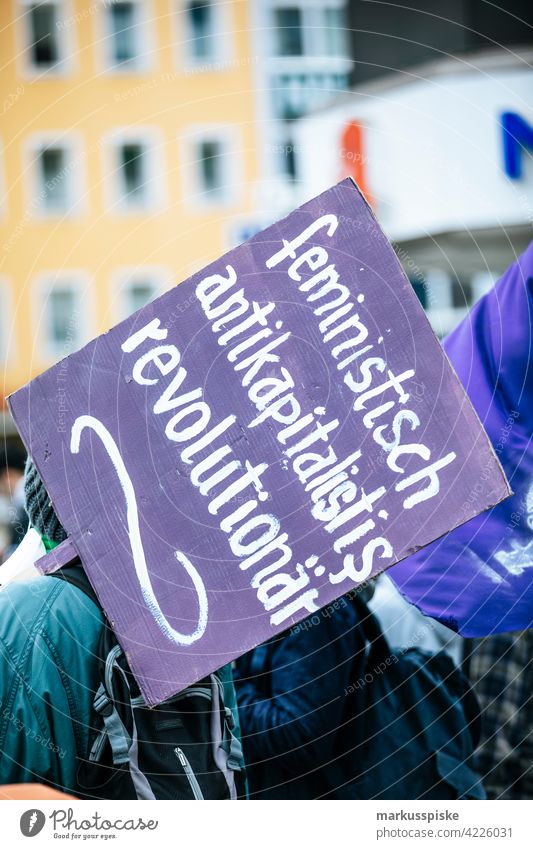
(352,155)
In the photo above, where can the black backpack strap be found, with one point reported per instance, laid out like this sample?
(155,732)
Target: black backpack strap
(75,574)
(105,701)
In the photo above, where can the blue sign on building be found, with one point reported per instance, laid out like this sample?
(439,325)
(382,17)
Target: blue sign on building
(517,138)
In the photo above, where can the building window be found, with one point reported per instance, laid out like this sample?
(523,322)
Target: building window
(294,95)
(134,288)
(289,33)
(421,290)
(334,32)
(139,293)
(309,29)
(44,46)
(53,179)
(62,315)
(136,172)
(461,293)
(132,169)
(58,176)
(200,25)
(212,177)
(285,153)
(125,40)
(45,38)
(210,167)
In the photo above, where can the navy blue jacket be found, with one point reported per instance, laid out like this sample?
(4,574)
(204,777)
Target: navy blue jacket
(291,697)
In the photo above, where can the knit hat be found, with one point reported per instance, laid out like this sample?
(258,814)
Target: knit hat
(39,507)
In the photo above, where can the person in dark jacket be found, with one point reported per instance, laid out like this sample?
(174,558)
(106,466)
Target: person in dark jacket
(291,693)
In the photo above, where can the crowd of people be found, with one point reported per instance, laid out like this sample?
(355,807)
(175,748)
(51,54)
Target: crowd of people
(339,706)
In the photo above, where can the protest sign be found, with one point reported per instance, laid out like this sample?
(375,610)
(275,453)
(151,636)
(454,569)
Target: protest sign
(256,442)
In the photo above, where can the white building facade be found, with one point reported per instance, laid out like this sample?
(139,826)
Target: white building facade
(444,154)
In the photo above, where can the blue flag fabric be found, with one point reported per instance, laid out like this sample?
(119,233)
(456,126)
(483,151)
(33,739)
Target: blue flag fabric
(478,579)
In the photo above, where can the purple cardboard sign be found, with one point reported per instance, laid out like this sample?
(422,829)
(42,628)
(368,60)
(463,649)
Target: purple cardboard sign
(256,442)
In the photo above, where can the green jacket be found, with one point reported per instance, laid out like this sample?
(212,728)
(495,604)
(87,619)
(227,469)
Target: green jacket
(49,633)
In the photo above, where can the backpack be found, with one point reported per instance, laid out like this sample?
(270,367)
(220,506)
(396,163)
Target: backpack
(184,748)
(414,723)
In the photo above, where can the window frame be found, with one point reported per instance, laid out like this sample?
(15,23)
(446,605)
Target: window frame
(124,277)
(153,139)
(312,28)
(225,46)
(77,199)
(145,29)
(66,35)
(231,137)
(79,281)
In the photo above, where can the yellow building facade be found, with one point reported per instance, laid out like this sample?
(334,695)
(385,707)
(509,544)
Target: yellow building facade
(127,153)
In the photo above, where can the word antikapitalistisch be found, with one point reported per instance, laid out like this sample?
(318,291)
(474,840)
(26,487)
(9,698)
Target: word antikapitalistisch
(253,341)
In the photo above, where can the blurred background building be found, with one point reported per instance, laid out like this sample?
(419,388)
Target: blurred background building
(142,138)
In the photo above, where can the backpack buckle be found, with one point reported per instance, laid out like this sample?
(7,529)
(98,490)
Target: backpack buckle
(230,719)
(102,702)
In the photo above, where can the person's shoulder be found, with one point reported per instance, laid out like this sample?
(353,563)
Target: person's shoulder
(35,593)
(45,604)
(28,597)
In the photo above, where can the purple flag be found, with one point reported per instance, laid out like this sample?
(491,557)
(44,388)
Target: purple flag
(256,442)
(479,578)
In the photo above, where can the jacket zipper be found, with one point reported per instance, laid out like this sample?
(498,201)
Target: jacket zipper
(187,769)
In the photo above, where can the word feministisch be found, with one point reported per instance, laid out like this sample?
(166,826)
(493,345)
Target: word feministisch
(254,339)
